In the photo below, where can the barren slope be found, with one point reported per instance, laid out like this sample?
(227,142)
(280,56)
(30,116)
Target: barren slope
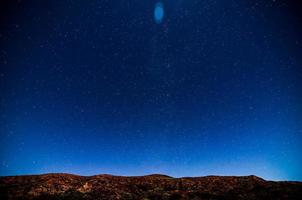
(67,186)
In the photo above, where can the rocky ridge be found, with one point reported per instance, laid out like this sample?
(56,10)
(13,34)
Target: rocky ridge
(156,186)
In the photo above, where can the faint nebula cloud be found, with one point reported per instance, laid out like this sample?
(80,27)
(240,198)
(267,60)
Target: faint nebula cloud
(159,12)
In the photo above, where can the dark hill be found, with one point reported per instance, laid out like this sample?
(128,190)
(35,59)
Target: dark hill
(155,186)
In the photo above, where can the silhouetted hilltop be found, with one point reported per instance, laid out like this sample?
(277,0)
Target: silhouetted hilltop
(155,186)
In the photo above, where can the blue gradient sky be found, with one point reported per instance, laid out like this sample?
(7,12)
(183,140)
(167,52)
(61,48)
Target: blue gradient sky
(101,87)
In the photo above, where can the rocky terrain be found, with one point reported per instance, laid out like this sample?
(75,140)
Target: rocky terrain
(67,186)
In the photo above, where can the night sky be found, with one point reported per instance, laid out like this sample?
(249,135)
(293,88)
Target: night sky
(132,87)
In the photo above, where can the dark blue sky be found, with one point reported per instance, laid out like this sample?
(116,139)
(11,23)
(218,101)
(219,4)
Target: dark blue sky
(214,87)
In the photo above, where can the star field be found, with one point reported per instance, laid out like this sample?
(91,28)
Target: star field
(206,87)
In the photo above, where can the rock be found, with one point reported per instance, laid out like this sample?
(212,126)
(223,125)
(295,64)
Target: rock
(155,186)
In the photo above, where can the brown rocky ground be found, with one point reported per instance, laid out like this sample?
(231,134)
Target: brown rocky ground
(67,186)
